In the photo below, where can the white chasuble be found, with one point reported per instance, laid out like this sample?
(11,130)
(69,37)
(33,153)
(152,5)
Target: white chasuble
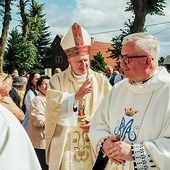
(68,147)
(140,114)
(16,150)
(128,121)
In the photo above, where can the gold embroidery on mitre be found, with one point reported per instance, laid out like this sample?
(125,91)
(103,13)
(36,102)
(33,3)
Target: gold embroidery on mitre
(75,51)
(130,112)
(80,47)
(82,147)
(77,34)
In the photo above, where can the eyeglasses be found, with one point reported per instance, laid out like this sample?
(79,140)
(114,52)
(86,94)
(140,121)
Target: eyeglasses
(126,58)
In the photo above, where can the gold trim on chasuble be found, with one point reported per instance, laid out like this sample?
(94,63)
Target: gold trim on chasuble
(80,48)
(81,147)
(79,140)
(118,167)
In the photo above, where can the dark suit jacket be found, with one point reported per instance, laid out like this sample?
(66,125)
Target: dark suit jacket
(14,95)
(111,80)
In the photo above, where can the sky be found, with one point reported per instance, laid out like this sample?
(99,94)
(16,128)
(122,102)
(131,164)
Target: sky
(103,19)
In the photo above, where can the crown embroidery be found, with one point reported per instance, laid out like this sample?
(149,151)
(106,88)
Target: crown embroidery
(130,112)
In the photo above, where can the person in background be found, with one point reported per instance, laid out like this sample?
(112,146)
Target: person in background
(57,70)
(120,76)
(72,98)
(133,131)
(16,149)
(21,92)
(30,93)
(27,75)
(5,86)
(17,84)
(15,73)
(115,72)
(109,74)
(36,124)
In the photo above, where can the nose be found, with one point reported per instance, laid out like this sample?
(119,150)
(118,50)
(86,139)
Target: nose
(83,63)
(122,64)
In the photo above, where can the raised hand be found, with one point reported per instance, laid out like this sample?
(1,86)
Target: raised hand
(83,90)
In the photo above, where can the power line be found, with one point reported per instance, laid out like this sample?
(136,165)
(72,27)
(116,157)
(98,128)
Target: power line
(146,26)
(158,24)
(104,32)
(161,31)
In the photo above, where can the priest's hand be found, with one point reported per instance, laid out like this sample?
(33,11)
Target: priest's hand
(85,126)
(83,90)
(118,151)
(110,151)
(121,151)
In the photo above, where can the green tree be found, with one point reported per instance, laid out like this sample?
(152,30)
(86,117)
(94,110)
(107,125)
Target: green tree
(98,63)
(29,45)
(140,9)
(117,40)
(38,32)
(161,61)
(23,12)
(20,54)
(5,8)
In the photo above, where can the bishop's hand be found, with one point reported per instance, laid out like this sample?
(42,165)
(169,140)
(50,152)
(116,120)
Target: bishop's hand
(83,90)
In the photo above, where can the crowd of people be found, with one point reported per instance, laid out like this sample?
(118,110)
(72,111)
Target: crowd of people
(79,119)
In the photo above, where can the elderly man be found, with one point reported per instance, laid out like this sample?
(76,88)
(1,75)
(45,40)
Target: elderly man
(110,75)
(57,70)
(72,99)
(133,131)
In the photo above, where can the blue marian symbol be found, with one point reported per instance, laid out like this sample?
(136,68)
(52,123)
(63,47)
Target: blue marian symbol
(126,130)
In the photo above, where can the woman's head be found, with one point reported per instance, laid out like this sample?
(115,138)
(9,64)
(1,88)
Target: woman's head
(32,81)
(42,84)
(5,84)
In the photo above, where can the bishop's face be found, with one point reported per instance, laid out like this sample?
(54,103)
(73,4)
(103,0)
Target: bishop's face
(79,64)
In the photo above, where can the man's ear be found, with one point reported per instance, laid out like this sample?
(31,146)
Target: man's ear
(148,62)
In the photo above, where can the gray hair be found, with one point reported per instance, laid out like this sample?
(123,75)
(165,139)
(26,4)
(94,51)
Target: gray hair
(144,42)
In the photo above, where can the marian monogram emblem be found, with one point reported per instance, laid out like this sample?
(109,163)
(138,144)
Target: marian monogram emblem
(126,130)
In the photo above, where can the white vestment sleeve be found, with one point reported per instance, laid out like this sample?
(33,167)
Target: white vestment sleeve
(16,150)
(99,127)
(67,116)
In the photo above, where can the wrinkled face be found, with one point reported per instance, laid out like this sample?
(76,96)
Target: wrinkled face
(43,86)
(135,68)
(79,64)
(109,72)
